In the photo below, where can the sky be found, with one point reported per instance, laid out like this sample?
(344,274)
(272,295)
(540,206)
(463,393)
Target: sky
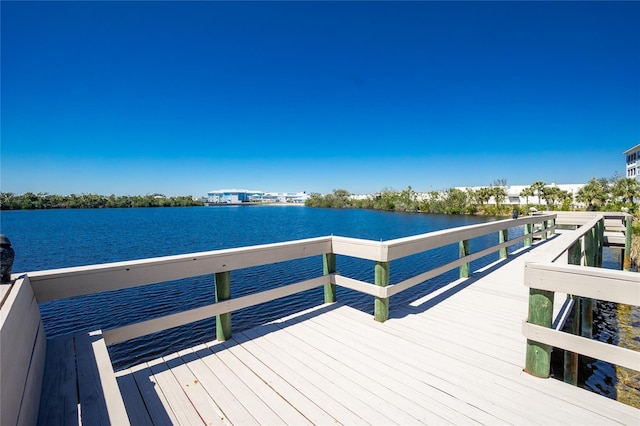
(181,98)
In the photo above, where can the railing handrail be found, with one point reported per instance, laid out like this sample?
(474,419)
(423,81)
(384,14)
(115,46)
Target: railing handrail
(582,285)
(84,280)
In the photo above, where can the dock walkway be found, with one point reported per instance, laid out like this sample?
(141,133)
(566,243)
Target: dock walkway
(452,357)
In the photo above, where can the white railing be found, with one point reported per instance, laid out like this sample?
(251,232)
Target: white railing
(84,280)
(570,266)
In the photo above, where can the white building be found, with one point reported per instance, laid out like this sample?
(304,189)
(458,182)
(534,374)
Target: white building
(239,196)
(633,162)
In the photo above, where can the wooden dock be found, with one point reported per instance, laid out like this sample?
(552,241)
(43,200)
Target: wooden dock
(452,357)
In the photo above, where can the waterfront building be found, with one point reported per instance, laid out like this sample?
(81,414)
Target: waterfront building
(633,162)
(234,196)
(239,196)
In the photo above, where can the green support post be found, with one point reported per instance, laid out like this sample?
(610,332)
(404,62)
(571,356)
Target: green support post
(586,304)
(329,267)
(626,263)
(552,231)
(545,225)
(503,235)
(464,251)
(381,304)
(571,358)
(223,292)
(600,241)
(538,361)
(528,229)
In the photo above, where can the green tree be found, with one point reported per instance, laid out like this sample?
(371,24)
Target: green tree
(526,193)
(537,188)
(594,194)
(627,189)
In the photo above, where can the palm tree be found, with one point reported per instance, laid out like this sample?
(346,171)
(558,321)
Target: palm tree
(538,187)
(593,193)
(627,188)
(526,193)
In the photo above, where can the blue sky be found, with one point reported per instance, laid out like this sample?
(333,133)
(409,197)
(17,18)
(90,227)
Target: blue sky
(185,97)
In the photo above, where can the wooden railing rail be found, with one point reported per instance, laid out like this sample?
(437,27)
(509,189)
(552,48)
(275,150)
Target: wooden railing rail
(77,281)
(583,282)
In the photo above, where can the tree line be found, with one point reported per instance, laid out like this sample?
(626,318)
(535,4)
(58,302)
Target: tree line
(43,200)
(598,194)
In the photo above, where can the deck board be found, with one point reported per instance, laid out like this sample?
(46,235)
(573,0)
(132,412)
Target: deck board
(453,357)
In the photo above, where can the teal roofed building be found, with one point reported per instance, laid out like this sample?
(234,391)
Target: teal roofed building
(234,196)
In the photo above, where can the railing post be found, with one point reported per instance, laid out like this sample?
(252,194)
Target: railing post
(626,263)
(545,225)
(600,240)
(538,362)
(329,267)
(552,225)
(464,251)
(528,229)
(381,304)
(223,292)
(571,358)
(503,236)
(586,304)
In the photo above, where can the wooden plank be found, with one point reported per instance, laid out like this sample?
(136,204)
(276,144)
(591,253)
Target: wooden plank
(402,247)
(157,405)
(30,404)
(261,411)
(133,402)
(143,328)
(468,386)
(262,389)
(5,288)
(333,404)
(100,399)
(472,375)
(68,282)
(298,401)
(233,410)
(356,247)
(59,397)
(599,350)
(361,286)
(19,324)
(369,387)
(206,407)
(595,283)
(185,412)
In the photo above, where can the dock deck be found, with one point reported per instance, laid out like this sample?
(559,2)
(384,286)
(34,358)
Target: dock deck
(452,357)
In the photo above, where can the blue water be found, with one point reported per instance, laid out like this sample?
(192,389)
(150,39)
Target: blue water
(62,238)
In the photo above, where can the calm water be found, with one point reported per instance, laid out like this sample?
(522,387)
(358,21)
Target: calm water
(62,238)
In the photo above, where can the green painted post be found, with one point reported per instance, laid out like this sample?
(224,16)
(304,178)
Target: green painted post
(571,358)
(223,292)
(464,251)
(545,225)
(381,304)
(503,235)
(528,229)
(626,263)
(538,361)
(552,231)
(600,241)
(586,304)
(329,267)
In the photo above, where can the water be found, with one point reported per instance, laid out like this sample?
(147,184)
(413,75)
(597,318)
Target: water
(62,238)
